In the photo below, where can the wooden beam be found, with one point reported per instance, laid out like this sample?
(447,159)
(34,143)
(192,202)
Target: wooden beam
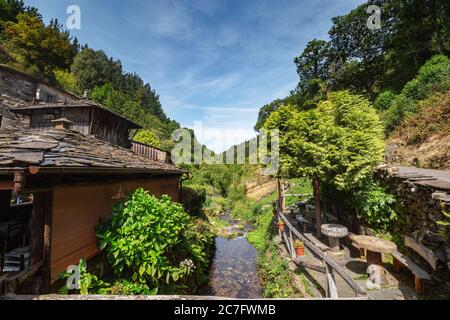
(6,185)
(12,283)
(331,283)
(47,197)
(139,298)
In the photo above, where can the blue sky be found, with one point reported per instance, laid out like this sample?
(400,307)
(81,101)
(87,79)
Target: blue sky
(212,61)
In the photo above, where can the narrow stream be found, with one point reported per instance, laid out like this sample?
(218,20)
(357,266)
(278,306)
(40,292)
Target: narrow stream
(234,270)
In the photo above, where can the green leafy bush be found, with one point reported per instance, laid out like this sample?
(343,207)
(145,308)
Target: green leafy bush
(374,206)
(147,137)
(140,238)
(384,100)
(91,284)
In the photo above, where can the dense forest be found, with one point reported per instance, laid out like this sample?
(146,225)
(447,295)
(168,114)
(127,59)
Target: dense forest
(375,63)
(49,52)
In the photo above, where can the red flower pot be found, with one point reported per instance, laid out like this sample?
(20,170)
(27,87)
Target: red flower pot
(300,251)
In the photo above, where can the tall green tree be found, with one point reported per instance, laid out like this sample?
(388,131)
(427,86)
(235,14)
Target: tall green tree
(340,142)
(313,70)
(357,53)
(10,9)
(93,68)
(40,49)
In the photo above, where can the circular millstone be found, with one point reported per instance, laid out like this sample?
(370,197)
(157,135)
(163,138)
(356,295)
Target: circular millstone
(334,230)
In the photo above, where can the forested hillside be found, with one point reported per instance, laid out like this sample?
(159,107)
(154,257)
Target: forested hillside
(49,51)
(402,68)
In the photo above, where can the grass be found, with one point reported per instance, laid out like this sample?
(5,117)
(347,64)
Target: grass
(298,186)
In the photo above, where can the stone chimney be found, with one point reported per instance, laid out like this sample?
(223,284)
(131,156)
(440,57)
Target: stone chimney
(62,123)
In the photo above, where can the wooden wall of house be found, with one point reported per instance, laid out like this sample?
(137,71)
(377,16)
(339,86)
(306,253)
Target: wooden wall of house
(111,129)
(41,118)
(78,209)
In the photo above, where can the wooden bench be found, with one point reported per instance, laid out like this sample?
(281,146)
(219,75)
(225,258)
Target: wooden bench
(316,242)
(400,260)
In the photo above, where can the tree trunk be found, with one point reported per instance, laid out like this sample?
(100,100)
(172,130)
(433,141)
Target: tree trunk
(316,189)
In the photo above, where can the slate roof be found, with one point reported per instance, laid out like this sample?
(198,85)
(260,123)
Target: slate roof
(73,152)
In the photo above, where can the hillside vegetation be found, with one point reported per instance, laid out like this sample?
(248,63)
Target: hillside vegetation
(402,68)
(49,52)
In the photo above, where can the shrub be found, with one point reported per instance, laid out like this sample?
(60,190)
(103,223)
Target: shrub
(433,118)
(140,237)
(91,284)
(194,198)
(433,77)
(384,100)
(374,206)
(147,137)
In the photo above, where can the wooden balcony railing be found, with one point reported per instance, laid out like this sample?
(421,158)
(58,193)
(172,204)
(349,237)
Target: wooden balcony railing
(151,152)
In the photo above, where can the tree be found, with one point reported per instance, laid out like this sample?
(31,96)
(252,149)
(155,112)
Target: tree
(10,9)
(147,137)
(313,70)
(40,49)
(66,80)
(357,53)
(340,142)
(93,68)
(266,110)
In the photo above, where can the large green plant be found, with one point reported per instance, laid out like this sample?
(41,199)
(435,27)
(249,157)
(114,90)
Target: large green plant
(340,142)
(141,236)
(374,206)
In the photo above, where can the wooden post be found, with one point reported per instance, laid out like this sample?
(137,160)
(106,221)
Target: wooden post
(316,189)
(42,217)
(41,205)
(418,285)
(280,195)
(331,283)
(291,242)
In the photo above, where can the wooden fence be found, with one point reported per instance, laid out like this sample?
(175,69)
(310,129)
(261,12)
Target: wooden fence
(329,267)
(151,152)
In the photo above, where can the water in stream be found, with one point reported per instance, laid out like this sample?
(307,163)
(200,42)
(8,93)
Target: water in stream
(234,270)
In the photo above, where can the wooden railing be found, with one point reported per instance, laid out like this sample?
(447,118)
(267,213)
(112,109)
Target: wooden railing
(329,267)
(150,152)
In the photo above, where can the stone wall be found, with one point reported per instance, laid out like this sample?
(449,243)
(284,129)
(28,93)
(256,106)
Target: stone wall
(421,200)
(22,86)
(18,89)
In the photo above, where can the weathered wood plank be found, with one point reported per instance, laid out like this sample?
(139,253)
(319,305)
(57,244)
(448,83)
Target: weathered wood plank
(423,251)
(317,242)
(411,265)
(298,261)
(145,298)
(331,283)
